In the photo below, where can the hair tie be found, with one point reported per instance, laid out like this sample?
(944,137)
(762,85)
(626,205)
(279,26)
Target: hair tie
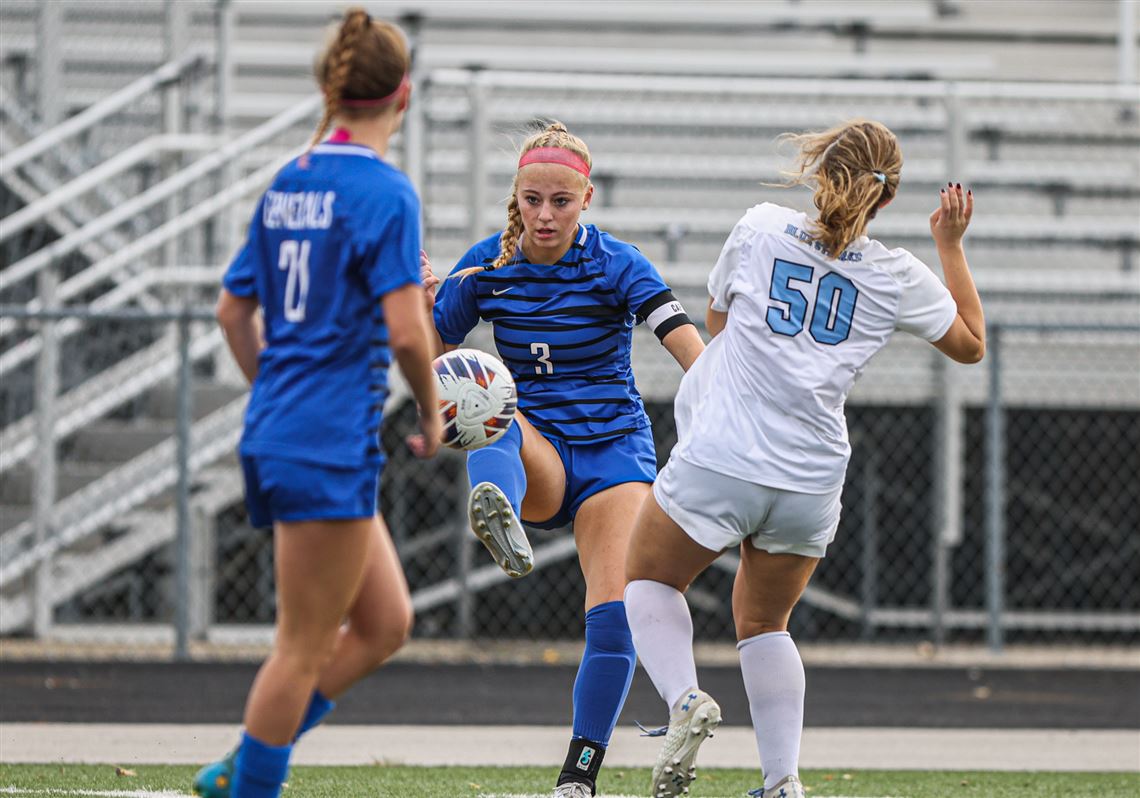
(882,178)
(555,155)
(378,101)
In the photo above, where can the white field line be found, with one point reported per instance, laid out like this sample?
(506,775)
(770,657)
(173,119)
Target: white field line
(734,747)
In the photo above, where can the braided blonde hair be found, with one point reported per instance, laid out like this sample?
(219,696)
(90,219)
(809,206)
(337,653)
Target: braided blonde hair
(554,134)
(364,59)
(854,168)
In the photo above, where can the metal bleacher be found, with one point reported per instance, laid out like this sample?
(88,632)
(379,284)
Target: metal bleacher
(141,208)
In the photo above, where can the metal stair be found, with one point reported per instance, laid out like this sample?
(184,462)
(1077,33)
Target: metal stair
(106,505)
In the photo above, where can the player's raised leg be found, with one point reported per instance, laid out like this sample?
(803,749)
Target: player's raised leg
(662,561)
(519,474)
(601,531)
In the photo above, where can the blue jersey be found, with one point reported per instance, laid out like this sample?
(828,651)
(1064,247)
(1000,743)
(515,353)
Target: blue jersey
(564,330)
(337,230)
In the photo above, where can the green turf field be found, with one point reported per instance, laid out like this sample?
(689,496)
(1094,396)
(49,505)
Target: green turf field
(99,781)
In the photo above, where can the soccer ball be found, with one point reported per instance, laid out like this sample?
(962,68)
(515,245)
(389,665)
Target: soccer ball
(477,398)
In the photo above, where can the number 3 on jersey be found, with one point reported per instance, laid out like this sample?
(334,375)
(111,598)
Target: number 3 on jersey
(833,309)
(543,352)
(294,259)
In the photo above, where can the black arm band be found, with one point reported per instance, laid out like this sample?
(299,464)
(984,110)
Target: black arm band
(663,313)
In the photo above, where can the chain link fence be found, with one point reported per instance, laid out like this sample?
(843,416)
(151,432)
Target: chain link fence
(1044,536)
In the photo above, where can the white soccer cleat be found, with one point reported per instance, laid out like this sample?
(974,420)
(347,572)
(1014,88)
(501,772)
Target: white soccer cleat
(788,787)
(572,789)
(494,522)
(691,722)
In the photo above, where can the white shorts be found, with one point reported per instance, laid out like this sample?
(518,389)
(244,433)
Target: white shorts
(718,511)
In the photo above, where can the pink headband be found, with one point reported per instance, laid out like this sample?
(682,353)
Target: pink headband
(379,101)
(555,155)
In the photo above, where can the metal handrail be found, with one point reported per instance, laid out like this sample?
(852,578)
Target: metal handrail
(28,349)
(792,87)
(33,212)
(164,75)
(74,162)
(32,264)
(103,392)
(132,483)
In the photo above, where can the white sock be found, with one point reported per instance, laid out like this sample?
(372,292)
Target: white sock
(774,680)
(663,636)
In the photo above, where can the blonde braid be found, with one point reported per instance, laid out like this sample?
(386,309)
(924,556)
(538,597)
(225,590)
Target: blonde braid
(336,66)
(509,240)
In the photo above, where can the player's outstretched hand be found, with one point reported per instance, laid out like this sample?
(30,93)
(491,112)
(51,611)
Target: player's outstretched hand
(430,281)
(949,221)
(425,443)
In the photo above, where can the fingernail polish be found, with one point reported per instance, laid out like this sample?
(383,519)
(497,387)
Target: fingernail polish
(942,191)
(958,185)
(950,184)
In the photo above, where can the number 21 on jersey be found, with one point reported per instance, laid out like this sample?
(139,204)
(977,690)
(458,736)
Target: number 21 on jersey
(831,312)
(294,260)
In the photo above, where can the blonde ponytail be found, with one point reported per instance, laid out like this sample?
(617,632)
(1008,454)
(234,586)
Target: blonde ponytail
(853,168)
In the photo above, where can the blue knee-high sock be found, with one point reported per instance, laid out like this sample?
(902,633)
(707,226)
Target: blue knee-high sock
(500,463)
(319,706)
(605,673)
(259,769)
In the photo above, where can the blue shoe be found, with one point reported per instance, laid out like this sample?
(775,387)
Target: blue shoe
(213,780)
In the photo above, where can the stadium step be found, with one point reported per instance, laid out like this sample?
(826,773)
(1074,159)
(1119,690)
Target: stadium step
(162,403)
(18,486)
(12,515)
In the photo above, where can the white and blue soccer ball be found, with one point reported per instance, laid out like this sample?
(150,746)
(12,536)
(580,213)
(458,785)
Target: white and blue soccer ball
(477,398)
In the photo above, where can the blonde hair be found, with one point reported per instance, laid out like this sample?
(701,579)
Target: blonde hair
(853,168)
(554,134)
(364,59)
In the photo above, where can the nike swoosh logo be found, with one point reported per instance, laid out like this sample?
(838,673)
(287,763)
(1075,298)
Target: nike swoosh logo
(497,293)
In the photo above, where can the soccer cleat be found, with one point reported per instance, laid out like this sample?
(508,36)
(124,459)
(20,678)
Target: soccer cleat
(691,722)
(788,787)
(573,789)
(213,780)
(494,522)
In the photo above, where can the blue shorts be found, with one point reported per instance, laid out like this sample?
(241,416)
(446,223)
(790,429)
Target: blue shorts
(594,467)
(277,489)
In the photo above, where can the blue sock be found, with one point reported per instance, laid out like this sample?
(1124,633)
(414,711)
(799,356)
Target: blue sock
(500,463)
(605,673)
(260,769)
(319,706)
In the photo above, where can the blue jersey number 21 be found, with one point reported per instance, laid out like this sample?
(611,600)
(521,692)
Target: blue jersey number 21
(834,303)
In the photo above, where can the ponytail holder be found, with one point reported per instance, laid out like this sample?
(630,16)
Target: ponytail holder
(377,102)
(882,178)
(555,155)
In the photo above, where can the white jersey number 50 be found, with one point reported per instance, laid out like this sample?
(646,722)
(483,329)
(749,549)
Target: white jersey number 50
(294,259)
